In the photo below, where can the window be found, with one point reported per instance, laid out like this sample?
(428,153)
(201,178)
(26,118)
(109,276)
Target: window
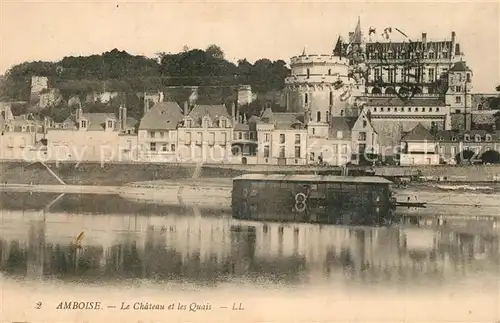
(362,136)
(468,78)
(240,135)
(188,138)
(306,98)
(431,55)
(163,147)
(297,151)
(267,137)
(330,72)
(110,124)
(282,152)
(83,123)
(223,123)
(458,88)
(477,138)
(224,138)
(199,138)
(311,156)
(331,98)
(365,123)
(488,137)
(162,134)
(327,116)
(432,75)
(172,147)
(374,109)
(458,99)
(205,123)
(211,140)
(308,73)
(453,138)
(437,109)
(466,137)
(266,151)
(377,74)
(297,139)
(339,134)
(313,131)
(282,138)
(152,134)
(344,149)
(152,146)
(453,151)
(129,144)
(318,116)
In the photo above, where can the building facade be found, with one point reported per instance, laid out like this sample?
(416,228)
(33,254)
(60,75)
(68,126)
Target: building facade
(419,147)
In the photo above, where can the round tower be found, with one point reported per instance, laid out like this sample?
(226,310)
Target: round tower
(315,83)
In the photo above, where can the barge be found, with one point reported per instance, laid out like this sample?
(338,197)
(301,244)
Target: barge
(313,198)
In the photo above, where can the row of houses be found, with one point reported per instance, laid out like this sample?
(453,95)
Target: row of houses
(220,134)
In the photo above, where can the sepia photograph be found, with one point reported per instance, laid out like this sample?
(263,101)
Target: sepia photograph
(249,161)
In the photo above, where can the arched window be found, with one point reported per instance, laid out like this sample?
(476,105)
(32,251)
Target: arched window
(330,71)
(308,73)
(318,116)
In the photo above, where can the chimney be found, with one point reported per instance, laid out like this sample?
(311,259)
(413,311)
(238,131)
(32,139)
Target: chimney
(124,118)
(186,108)
(120,116)
(146,103)
(424,38)
(457,49)
(78,113)
(233,111)
(453,42)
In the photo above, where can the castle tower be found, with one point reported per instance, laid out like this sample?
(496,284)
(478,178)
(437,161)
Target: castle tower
(458,95)
(315,83)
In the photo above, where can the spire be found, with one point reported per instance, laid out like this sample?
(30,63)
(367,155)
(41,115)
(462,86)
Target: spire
(357,32)
(304,52)
(338,50)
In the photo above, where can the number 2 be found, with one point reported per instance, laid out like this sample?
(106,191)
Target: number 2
(38,305)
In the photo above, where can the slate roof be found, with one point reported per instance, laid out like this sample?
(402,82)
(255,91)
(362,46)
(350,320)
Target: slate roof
(460,67)
(418,133)
(213,111)
(396,101)
(343,124)
(162,116)
(281,120)
(448,135)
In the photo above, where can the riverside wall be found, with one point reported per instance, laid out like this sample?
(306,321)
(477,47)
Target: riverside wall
(114,174)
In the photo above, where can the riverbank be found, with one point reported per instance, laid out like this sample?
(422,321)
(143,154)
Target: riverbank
(114,174)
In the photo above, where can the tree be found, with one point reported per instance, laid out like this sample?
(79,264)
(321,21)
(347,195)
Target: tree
(215,51)
(465,156)
(490,156)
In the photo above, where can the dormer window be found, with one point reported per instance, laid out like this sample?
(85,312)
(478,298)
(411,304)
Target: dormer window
(339,134)
(488,137)
(83,123)
(223,123)
(467,137)
(477,138)
(206,122)
(23,129)
(189,123)
(110,124)
(453,138)
(431,55)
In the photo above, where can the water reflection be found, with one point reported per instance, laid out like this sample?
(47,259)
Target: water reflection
(126,240)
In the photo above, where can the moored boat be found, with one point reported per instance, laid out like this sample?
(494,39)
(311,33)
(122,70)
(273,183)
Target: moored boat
(312,198)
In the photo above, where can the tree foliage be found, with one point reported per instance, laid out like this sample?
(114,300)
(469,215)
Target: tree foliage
(490,156)
(120,71)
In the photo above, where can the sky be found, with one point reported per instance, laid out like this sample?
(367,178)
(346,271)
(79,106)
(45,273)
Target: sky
(50,30)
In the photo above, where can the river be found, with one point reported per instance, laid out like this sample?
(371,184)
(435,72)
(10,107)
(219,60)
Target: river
(203,266)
